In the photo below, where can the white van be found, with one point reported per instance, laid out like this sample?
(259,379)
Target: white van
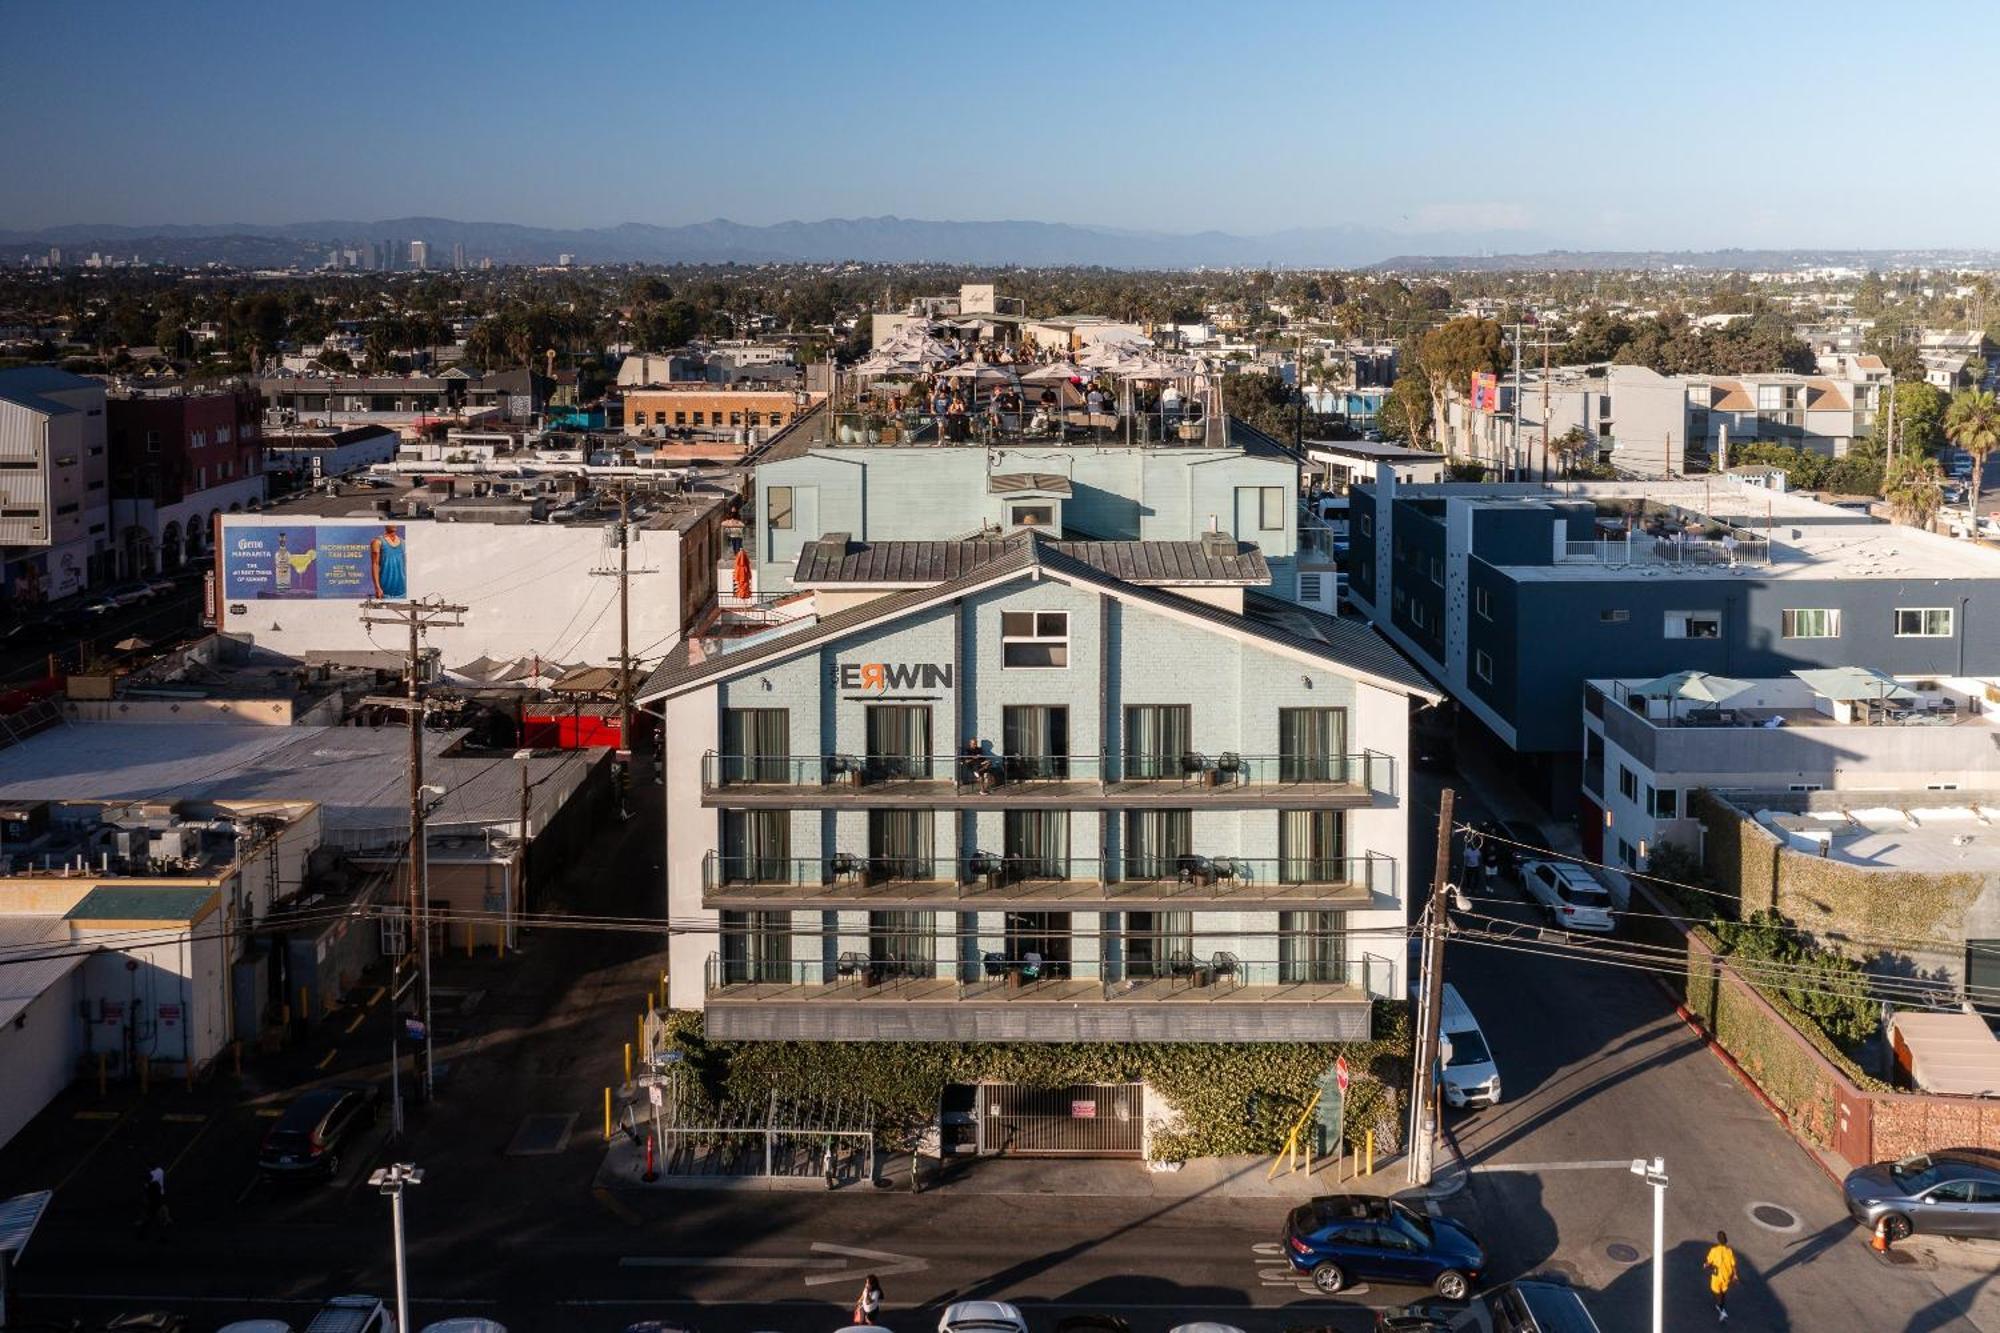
(1470,1076)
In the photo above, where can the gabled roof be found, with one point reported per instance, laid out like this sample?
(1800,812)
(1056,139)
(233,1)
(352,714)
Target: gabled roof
(1027,483)
(836,559)
(1346,645)
(1730,396)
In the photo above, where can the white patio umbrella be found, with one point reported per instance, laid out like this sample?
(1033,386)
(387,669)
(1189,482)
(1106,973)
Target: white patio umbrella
(1691,686)
(979,372)
(1056,372)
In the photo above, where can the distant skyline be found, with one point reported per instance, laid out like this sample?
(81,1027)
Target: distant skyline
(1677,127)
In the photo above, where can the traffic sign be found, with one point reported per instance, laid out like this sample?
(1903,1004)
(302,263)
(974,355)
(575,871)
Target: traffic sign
(1340,1073)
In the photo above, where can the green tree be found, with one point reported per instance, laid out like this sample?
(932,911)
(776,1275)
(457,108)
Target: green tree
(1919,419)
(1829,988)
(1451,354)
(1914,488)
(1972,422)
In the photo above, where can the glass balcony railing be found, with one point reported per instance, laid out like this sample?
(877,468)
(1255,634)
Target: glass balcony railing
(1001,878)
(1102,774)
(995,977)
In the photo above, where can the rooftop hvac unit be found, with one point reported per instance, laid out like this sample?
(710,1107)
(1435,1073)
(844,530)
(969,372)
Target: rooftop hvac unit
(170,845)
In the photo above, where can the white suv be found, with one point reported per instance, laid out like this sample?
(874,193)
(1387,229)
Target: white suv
(1568,894)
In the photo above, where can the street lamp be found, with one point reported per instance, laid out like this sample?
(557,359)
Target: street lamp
(390,1180)
(1654,1173)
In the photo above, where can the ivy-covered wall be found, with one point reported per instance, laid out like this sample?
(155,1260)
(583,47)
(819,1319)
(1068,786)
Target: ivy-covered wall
(1230,1098)
(1855,909)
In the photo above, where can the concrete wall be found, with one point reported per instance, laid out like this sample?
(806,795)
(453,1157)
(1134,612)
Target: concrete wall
(529,590)
(39,1053)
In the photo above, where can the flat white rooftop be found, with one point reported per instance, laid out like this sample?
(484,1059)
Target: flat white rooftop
(1940,839)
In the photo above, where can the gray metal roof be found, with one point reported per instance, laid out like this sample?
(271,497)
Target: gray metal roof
(834,559)
(26,385)
(1349,645)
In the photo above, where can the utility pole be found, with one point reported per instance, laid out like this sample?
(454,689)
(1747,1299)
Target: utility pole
(1423,1090)
(416,616)
(391,1180)
(1514,444)
(624,573)
(1654,1173)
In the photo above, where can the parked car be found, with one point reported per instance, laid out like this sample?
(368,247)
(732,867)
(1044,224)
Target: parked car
(310,1136)
(161,587)
(1566,891)
(1337,1238)
(1952,1192)
(353,1314)
(1509,843)
(1530,1305)
(982,1317)
(1470,1076)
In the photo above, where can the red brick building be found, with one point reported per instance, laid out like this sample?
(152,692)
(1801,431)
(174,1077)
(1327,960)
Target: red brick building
(178,460)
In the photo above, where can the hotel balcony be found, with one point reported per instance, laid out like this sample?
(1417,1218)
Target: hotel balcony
(1047,883)
(1214,998)
(1223,781)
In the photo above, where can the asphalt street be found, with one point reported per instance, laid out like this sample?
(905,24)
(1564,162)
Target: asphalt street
(1598,1070)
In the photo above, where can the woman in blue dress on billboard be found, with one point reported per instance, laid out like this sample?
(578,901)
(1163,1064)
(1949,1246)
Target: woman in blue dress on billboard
(385,564)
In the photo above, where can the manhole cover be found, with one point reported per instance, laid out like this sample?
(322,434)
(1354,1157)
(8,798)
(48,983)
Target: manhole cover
(1772,1216)
(541,1135)
(1620,1252)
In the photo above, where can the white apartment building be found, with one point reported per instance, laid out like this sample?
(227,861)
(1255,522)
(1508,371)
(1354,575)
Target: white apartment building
(55,497)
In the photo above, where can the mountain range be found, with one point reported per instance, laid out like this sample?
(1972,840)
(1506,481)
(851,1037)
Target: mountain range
(900,240)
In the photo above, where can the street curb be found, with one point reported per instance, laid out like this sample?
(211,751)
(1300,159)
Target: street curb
(1696,1026)
(1459,1176)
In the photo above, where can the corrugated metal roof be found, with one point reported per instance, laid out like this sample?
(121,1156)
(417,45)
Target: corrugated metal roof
(25,973)
(832,560)
(1346,644)
(134,902)
(18,1217)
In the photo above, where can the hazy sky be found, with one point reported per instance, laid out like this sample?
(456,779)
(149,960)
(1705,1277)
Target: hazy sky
(1673,125)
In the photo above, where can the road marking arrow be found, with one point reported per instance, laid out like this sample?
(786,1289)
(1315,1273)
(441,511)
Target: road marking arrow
(884,1263)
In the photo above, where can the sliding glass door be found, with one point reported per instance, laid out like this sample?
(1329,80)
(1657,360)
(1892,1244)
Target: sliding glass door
(1157,842)
(901,844)
(1312,947)
(756,847)
(1311,847)
(1312,744)
(899,741)
(1156,738)
(1036,844)
(1034,738)
(756,745)
(902,943)
(756,948)
(1159,944)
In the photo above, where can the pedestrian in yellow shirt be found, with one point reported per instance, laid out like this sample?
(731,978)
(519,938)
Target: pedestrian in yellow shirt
(1721,1266)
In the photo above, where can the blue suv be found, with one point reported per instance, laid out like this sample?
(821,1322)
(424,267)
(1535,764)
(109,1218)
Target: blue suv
(1337,1238)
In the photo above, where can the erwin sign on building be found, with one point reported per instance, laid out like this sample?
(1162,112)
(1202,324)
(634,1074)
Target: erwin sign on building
(883,676)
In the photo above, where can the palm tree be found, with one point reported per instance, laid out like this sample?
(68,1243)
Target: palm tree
(1972,422)
(1914,488)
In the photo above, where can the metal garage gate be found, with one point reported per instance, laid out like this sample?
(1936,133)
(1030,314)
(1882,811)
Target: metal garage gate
(1082,1120)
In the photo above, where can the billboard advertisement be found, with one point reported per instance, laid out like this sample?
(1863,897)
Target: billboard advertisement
(315,561)
(1485,391)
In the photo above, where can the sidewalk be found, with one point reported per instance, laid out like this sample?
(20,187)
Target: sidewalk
(1241,1177)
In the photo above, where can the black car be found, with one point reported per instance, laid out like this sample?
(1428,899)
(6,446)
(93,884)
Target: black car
(1509,843)
(314,1130)
(1529,1305)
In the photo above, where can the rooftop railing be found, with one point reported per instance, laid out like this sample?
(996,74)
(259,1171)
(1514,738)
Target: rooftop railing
(1647,549)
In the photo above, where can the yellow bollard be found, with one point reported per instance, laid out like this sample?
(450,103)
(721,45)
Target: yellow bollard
(607,1115)
(1371,1153)
(500,939)
(641,1022)
(650,995)
(305,1008)
(628,1062)
(187,1063)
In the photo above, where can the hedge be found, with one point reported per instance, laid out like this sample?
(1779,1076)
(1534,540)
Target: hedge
(1232,1099)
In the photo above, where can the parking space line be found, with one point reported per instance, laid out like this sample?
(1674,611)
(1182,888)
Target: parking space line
(270,1112)
(359,1019)
(369,1003)
(183,1118)
(91,1152)
(327,1059)
(193,1139)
